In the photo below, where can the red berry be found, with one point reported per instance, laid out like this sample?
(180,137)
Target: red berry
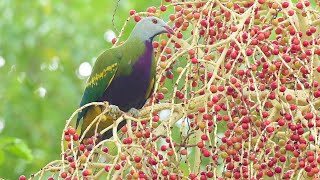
(75,137)
(313,29)
(160,96)
(71,130)
(132,12)
(107,168)
(249,52)
(285,4)
(281,122)
(156,118)
(261,36)
(291,12)
(87,172)
(67,137)
(308,116)
(269,173)
(82,147)
(299,5)
(172,177)
(90,141)
(301,164)
(114,40)
(204,137)
(117,167)
(282,158)
(307,3)
(163,8)
(137,159)
(73,165)
(270,129)
(163,148)
(274,85)
(106,150)
(152,9)
(63,175)
(233,28)
(206,153)
(22,177)
(194,60)
(221,88)
(164,172)
(137,18)
(289,97)
(277,170)
(200,145)
(192,176)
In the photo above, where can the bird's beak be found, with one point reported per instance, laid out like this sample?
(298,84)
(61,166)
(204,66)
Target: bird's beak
(169,30)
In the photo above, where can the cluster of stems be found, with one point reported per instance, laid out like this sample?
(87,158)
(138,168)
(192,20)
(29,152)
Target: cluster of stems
(237,96)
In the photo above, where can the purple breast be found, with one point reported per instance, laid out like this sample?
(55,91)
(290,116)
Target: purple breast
(130,91)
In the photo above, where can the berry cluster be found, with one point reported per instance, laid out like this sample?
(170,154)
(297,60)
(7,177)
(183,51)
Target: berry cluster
(240,80)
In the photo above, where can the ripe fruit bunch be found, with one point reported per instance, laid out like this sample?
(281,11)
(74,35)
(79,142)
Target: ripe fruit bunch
(240,82)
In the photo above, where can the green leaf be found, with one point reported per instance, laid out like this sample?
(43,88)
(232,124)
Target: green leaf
(6,140)
(16,147)
(1,157)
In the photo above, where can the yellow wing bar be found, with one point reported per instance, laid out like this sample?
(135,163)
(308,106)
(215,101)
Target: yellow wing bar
(93,80)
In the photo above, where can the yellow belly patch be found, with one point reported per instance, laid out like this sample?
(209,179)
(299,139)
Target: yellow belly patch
(91,114)
(149,88)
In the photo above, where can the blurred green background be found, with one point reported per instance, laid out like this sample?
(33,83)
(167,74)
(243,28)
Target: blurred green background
(46,50)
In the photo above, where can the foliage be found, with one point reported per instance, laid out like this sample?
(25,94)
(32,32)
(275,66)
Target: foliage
(14,146)
(42,44)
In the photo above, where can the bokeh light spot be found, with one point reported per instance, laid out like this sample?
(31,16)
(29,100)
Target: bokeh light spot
(41,91)
(2,61)
(1,124)
(85,69)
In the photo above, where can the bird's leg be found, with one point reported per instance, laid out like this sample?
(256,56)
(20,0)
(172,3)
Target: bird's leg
(134,112)
(114,110)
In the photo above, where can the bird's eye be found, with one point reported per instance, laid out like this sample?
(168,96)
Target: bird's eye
(154,21)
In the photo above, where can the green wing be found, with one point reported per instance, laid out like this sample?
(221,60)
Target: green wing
(104,70)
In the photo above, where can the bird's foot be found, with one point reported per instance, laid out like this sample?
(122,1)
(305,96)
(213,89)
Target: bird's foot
(114,110)
(134,112)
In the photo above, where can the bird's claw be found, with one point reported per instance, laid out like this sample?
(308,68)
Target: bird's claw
(114,110)
(134,112)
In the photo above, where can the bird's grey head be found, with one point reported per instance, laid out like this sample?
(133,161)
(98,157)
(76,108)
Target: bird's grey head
(148,27)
